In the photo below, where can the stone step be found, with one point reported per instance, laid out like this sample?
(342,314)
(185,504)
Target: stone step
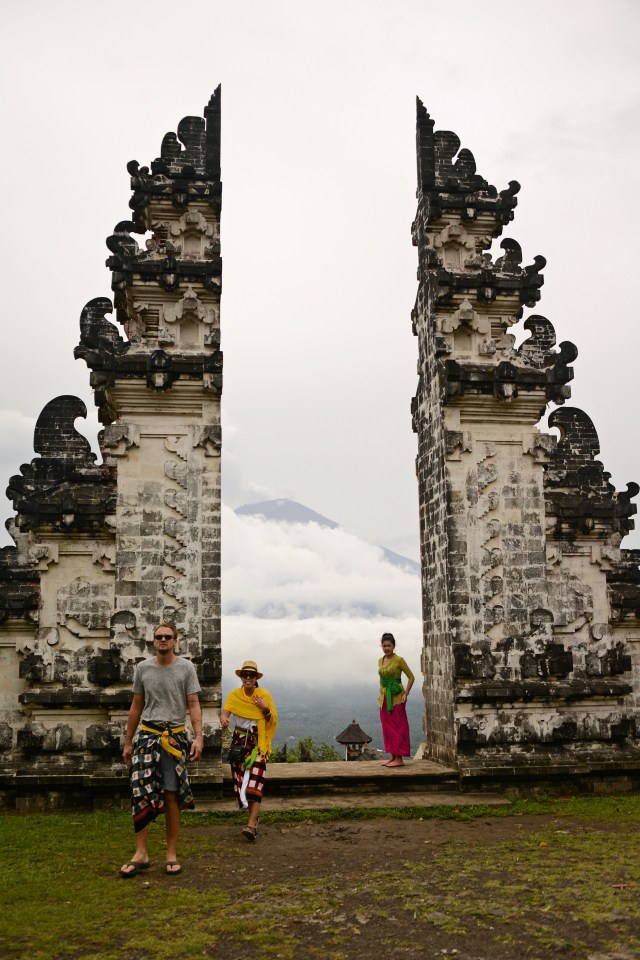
(360,801)
(355,785)
(365,776)
(359,783)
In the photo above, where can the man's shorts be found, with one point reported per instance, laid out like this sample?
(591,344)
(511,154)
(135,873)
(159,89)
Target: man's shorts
(169,775)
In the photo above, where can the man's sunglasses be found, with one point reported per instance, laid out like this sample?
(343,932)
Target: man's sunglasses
(248,675)
(163,636)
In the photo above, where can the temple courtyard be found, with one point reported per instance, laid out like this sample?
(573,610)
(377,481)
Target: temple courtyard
(455,878)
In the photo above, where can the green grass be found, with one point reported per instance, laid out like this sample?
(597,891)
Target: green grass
(589,808)
(58,887)
(557,888)
(539,879)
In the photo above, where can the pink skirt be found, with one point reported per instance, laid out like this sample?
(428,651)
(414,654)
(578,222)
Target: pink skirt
(395,730)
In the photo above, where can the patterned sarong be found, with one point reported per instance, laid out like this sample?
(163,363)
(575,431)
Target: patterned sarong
(248,784)
(147,791)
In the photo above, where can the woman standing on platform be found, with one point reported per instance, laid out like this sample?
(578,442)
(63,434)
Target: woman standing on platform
(255,720)
(392,702)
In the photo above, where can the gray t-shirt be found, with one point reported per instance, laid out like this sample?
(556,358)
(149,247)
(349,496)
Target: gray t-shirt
(165,689)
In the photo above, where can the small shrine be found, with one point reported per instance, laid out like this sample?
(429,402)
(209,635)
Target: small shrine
(355,741)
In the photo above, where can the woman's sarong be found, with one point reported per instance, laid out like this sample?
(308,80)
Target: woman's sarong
(395,730)
(248,783)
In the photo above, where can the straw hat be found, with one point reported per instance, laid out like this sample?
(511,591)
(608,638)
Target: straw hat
(250,665)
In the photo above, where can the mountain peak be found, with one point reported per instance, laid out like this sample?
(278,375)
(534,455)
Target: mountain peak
(284,511)
(290,511)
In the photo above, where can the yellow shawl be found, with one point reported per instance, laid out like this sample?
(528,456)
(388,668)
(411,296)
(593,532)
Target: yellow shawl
(239,703)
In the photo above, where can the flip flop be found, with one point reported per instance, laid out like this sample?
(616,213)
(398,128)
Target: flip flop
(172,873)
(137,867)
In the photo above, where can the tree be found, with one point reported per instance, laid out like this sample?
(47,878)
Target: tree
(307,751)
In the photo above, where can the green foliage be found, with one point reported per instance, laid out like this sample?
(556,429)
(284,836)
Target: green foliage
(309,751)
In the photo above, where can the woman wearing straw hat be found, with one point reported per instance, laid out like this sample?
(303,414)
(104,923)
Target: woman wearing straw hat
(255,720)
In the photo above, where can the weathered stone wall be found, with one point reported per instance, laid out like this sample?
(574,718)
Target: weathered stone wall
(434,519)
(104,552)
(520,620)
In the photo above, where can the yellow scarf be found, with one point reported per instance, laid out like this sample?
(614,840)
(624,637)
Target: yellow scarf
(239,703)
(165,742)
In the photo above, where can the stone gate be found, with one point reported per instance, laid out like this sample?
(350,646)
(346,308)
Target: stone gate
(530,606)
(104,552)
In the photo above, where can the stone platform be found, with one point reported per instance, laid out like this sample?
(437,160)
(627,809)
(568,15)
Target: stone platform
(332,785)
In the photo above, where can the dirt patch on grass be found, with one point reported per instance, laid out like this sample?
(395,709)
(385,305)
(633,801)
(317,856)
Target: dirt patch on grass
(499,888)
(345,885)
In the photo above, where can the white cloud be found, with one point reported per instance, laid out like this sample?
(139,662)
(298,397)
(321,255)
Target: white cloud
(310,603)
(299,571)
(236,488)
(330,650)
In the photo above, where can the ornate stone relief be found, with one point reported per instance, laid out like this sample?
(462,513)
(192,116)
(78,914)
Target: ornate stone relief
(118,438)
(456,247)
(189,316)
(85,608)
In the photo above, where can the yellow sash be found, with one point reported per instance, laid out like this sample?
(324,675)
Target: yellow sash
(164,738)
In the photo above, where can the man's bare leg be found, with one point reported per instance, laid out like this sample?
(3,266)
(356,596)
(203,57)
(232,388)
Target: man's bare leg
(140,856)
(172,816)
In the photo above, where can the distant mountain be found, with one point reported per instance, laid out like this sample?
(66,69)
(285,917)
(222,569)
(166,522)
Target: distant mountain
(399,561)
(289,511)
(284,511)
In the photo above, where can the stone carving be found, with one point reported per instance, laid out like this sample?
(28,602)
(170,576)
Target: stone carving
(189,315)
(85,607)
(105,555)
(118,438)
(41,555)
(178,445)
(210,439)
(62,489)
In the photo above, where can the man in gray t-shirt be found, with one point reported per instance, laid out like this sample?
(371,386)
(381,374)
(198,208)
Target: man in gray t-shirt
(165,687)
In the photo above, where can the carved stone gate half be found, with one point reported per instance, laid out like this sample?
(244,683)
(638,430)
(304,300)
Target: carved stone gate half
(105,552)
(530,606)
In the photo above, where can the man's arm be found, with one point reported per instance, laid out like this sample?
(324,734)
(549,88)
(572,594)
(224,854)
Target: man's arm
(195,715)
(135,712)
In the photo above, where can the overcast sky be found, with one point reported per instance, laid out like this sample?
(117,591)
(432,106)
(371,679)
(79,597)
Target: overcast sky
(311,602)
(318,169)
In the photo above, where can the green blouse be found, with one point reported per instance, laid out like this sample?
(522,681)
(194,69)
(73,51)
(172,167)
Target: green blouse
(395,668)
